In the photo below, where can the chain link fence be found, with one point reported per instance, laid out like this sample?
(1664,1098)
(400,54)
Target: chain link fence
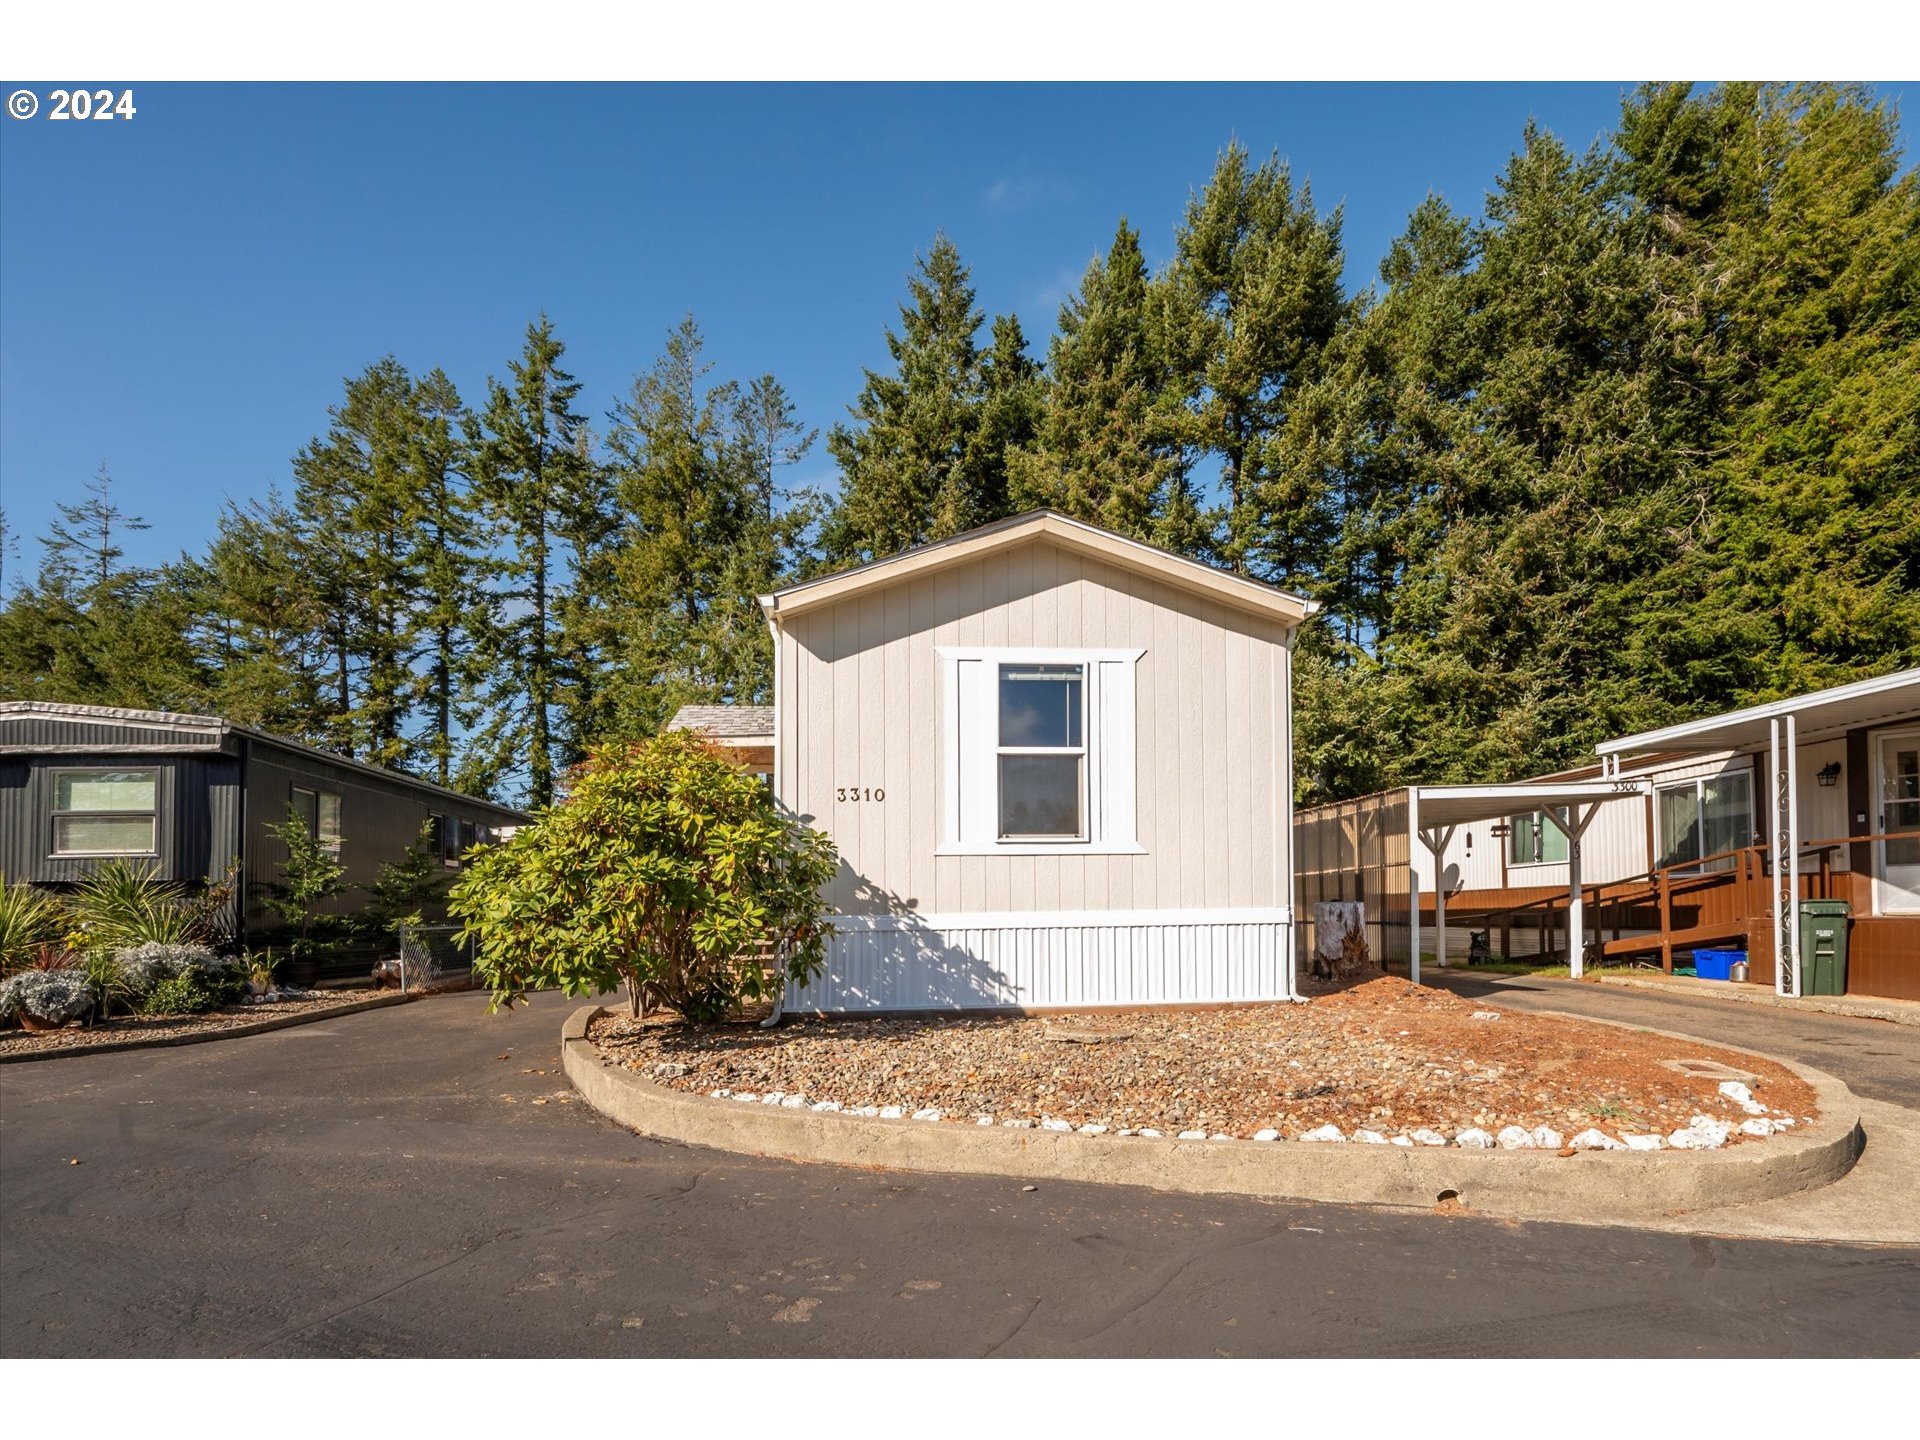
(432,955)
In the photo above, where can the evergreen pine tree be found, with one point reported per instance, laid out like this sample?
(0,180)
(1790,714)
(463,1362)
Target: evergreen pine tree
(910,469)
(543,495)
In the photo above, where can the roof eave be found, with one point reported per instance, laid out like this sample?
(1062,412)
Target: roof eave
(1236,591)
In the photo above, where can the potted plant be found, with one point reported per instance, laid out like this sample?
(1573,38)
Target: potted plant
(50,993)
(260,968)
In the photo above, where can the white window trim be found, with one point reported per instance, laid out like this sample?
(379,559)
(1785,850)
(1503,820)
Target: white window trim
(55,814)
(1112,758)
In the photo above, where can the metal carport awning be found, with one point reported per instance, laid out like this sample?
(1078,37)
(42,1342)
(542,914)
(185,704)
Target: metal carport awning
(1435,812)
(1782,727)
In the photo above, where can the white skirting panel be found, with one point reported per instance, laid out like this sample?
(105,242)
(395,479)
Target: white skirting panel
(974,962)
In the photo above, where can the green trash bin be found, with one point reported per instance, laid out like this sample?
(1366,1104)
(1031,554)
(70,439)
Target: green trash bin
(1823,947)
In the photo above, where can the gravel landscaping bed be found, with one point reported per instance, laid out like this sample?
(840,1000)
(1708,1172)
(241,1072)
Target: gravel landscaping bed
(1382,1062)
(144,1029)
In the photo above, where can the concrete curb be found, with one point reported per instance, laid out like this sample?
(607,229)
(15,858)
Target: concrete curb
(1858,1007)
(1592,1185)
(230,1032)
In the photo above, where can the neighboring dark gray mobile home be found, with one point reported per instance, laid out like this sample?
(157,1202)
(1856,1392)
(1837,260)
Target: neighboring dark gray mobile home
(192,795)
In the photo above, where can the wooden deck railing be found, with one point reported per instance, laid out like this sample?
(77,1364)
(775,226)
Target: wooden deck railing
(1723,901)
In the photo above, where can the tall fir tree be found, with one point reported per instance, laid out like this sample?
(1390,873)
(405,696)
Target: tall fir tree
(1106,444)
(912,466)
(544,496)
(447,609)
(1256,299)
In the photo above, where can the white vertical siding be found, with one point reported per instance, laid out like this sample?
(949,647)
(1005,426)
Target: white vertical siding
(1037,959)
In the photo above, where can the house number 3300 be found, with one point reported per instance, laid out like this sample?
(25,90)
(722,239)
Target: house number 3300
(857,793)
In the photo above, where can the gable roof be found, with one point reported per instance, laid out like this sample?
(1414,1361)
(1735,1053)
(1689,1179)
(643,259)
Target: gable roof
(726,722)
(1236,591)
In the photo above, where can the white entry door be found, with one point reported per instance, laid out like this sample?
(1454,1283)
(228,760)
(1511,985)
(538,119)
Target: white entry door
(1897,868)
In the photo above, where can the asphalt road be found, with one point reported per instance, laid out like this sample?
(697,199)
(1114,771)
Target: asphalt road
(388,1184)
(1877,1059)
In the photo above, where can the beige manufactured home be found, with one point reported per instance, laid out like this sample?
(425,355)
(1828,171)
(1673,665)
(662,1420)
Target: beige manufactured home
(1056,763)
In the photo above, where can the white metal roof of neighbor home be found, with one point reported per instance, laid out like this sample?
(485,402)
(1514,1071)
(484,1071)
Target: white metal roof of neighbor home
(1464,804)
(1070,534)
(1818,714)
(726,722)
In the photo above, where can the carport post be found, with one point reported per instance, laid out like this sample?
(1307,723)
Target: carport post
(1574,827)
(1413,884)
(1437,847)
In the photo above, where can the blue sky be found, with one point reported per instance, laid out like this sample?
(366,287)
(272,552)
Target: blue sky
(182,293)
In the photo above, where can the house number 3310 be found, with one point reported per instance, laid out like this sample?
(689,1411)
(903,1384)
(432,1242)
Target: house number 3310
(857,793)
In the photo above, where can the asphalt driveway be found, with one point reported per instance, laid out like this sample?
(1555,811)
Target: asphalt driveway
(390,1183)
(1876,1058)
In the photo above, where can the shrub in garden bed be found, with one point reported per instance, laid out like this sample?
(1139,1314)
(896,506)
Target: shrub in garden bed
(30,919)
(662,867)
(183,994)
(52,997)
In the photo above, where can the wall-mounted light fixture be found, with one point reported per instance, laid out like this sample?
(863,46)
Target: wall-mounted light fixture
(1829,773)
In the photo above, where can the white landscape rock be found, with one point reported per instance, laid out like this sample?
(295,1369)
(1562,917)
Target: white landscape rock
(747,1097)
(1056,1125)
(1512,1137)
(1219,1137)
(826,1107)
(983,1119)
(1484,1015)
(773,1097)
(1703,1132)
(1643,1142)
(1016,1124)
(894,1112)
(1093,1129)
(1545,1137)
(1150,1134)
(1369,1137)
(793,1102)
(1596,1140)
(720,1094)
(1742,1096)
(1405,1141)
(1325,1135)
(1424,1136)
(1474,1138)
(1193,1135)
(869,1111)
(1266,1135)
(929,1113)
(1756,1126)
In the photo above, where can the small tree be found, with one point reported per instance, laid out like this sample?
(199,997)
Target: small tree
(664,864)
(407,886)
(311,876)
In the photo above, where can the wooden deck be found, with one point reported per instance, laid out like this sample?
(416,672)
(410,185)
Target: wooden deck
(1724,900)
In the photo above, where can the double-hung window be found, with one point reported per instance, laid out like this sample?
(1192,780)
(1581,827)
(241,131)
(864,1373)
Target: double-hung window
(104,812)
(1038,751)
(321,811)
(1043,752)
